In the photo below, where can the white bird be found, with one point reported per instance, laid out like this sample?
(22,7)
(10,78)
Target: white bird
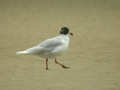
(51,48)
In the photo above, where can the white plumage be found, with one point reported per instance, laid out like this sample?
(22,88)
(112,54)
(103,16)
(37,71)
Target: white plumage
(50,48)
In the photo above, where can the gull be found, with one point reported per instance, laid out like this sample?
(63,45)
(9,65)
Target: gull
(51,48)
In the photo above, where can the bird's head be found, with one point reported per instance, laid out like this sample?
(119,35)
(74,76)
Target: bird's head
(65,31)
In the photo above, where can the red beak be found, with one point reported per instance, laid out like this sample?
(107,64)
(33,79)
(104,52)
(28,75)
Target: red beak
(71,33)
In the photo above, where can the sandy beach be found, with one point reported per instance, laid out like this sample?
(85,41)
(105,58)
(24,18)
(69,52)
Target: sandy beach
(94,51)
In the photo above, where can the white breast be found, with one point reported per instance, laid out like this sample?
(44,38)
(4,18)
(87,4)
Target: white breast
(63,47)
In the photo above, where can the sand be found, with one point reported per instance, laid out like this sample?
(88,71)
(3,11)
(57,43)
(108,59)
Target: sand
(93,55)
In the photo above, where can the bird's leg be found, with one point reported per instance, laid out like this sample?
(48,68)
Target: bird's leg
(46,63)
(63,66)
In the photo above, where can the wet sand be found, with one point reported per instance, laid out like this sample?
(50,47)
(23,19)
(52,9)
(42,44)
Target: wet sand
(93,55)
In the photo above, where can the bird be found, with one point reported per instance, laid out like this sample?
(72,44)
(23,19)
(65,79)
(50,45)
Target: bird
(51,48)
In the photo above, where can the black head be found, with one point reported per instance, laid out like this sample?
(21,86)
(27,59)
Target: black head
(64,30)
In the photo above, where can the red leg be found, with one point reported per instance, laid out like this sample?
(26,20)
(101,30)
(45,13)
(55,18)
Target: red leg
(46,63)
(63,66)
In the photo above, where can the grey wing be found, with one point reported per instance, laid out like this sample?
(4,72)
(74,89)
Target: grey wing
(45,47)
(51,44)
(34,50)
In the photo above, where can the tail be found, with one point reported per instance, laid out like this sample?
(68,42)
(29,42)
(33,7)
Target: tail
(21,52)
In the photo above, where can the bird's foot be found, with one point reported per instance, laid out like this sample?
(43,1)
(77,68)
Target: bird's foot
(65,67)
(46,68)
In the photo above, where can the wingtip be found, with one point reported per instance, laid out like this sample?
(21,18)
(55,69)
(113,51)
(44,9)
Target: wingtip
(17,53)
(20,52)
